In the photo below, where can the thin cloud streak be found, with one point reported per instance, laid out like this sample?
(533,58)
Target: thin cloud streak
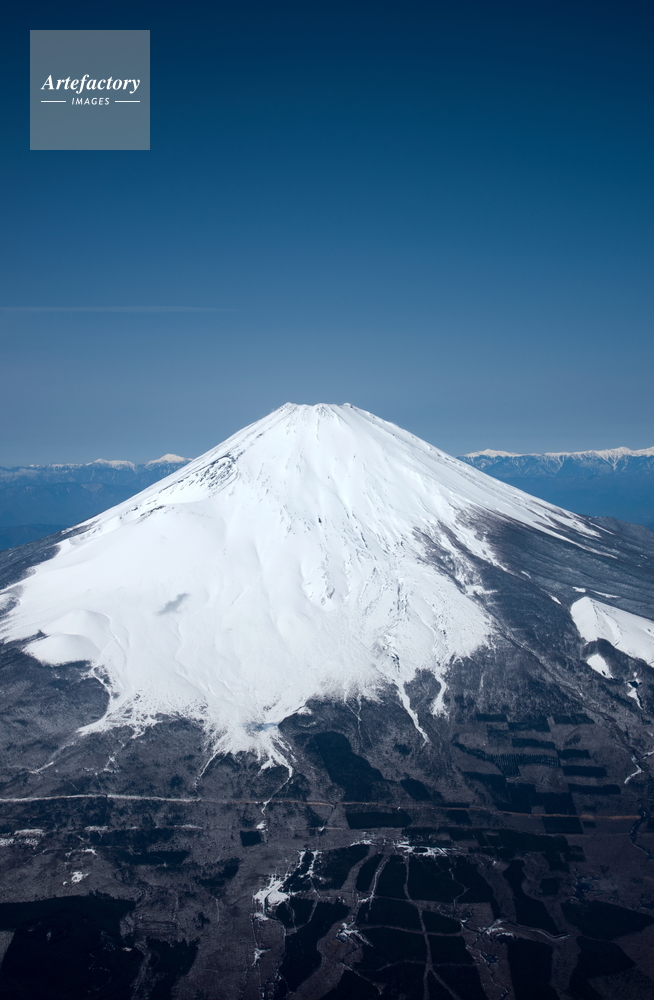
(116,309)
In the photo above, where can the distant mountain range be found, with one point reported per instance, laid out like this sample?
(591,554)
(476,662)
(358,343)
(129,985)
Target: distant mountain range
(617,482)
(37,500)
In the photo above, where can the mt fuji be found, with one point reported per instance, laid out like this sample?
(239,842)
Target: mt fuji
(325,686)
(319,552)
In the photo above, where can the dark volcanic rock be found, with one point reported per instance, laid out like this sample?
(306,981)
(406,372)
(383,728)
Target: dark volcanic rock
(335,911)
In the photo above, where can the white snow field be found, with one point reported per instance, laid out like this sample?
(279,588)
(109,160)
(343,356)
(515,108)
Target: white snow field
(629,633)
(290,562)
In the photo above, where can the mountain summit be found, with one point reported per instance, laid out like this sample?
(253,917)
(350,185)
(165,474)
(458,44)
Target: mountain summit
(328,715)
(319,552)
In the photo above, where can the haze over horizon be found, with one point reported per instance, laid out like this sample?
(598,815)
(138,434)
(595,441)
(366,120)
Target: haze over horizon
(171,456)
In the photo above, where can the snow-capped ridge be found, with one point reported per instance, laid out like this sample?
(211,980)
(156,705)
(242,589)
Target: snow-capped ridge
(166,460)
(116,463)
(108,463)
(489,453)
(606,454)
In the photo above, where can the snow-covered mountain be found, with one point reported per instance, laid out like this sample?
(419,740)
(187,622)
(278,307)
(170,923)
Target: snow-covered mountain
(298,559)
(571,462)
(387,716)
(102,470)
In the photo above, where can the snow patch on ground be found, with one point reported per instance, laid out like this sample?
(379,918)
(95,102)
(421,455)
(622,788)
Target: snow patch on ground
(599,664)
(267,899)
(629,633)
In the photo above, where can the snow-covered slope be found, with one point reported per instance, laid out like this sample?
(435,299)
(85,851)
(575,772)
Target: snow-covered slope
(319,552)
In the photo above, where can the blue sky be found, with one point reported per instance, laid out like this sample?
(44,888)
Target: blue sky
(441,212)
